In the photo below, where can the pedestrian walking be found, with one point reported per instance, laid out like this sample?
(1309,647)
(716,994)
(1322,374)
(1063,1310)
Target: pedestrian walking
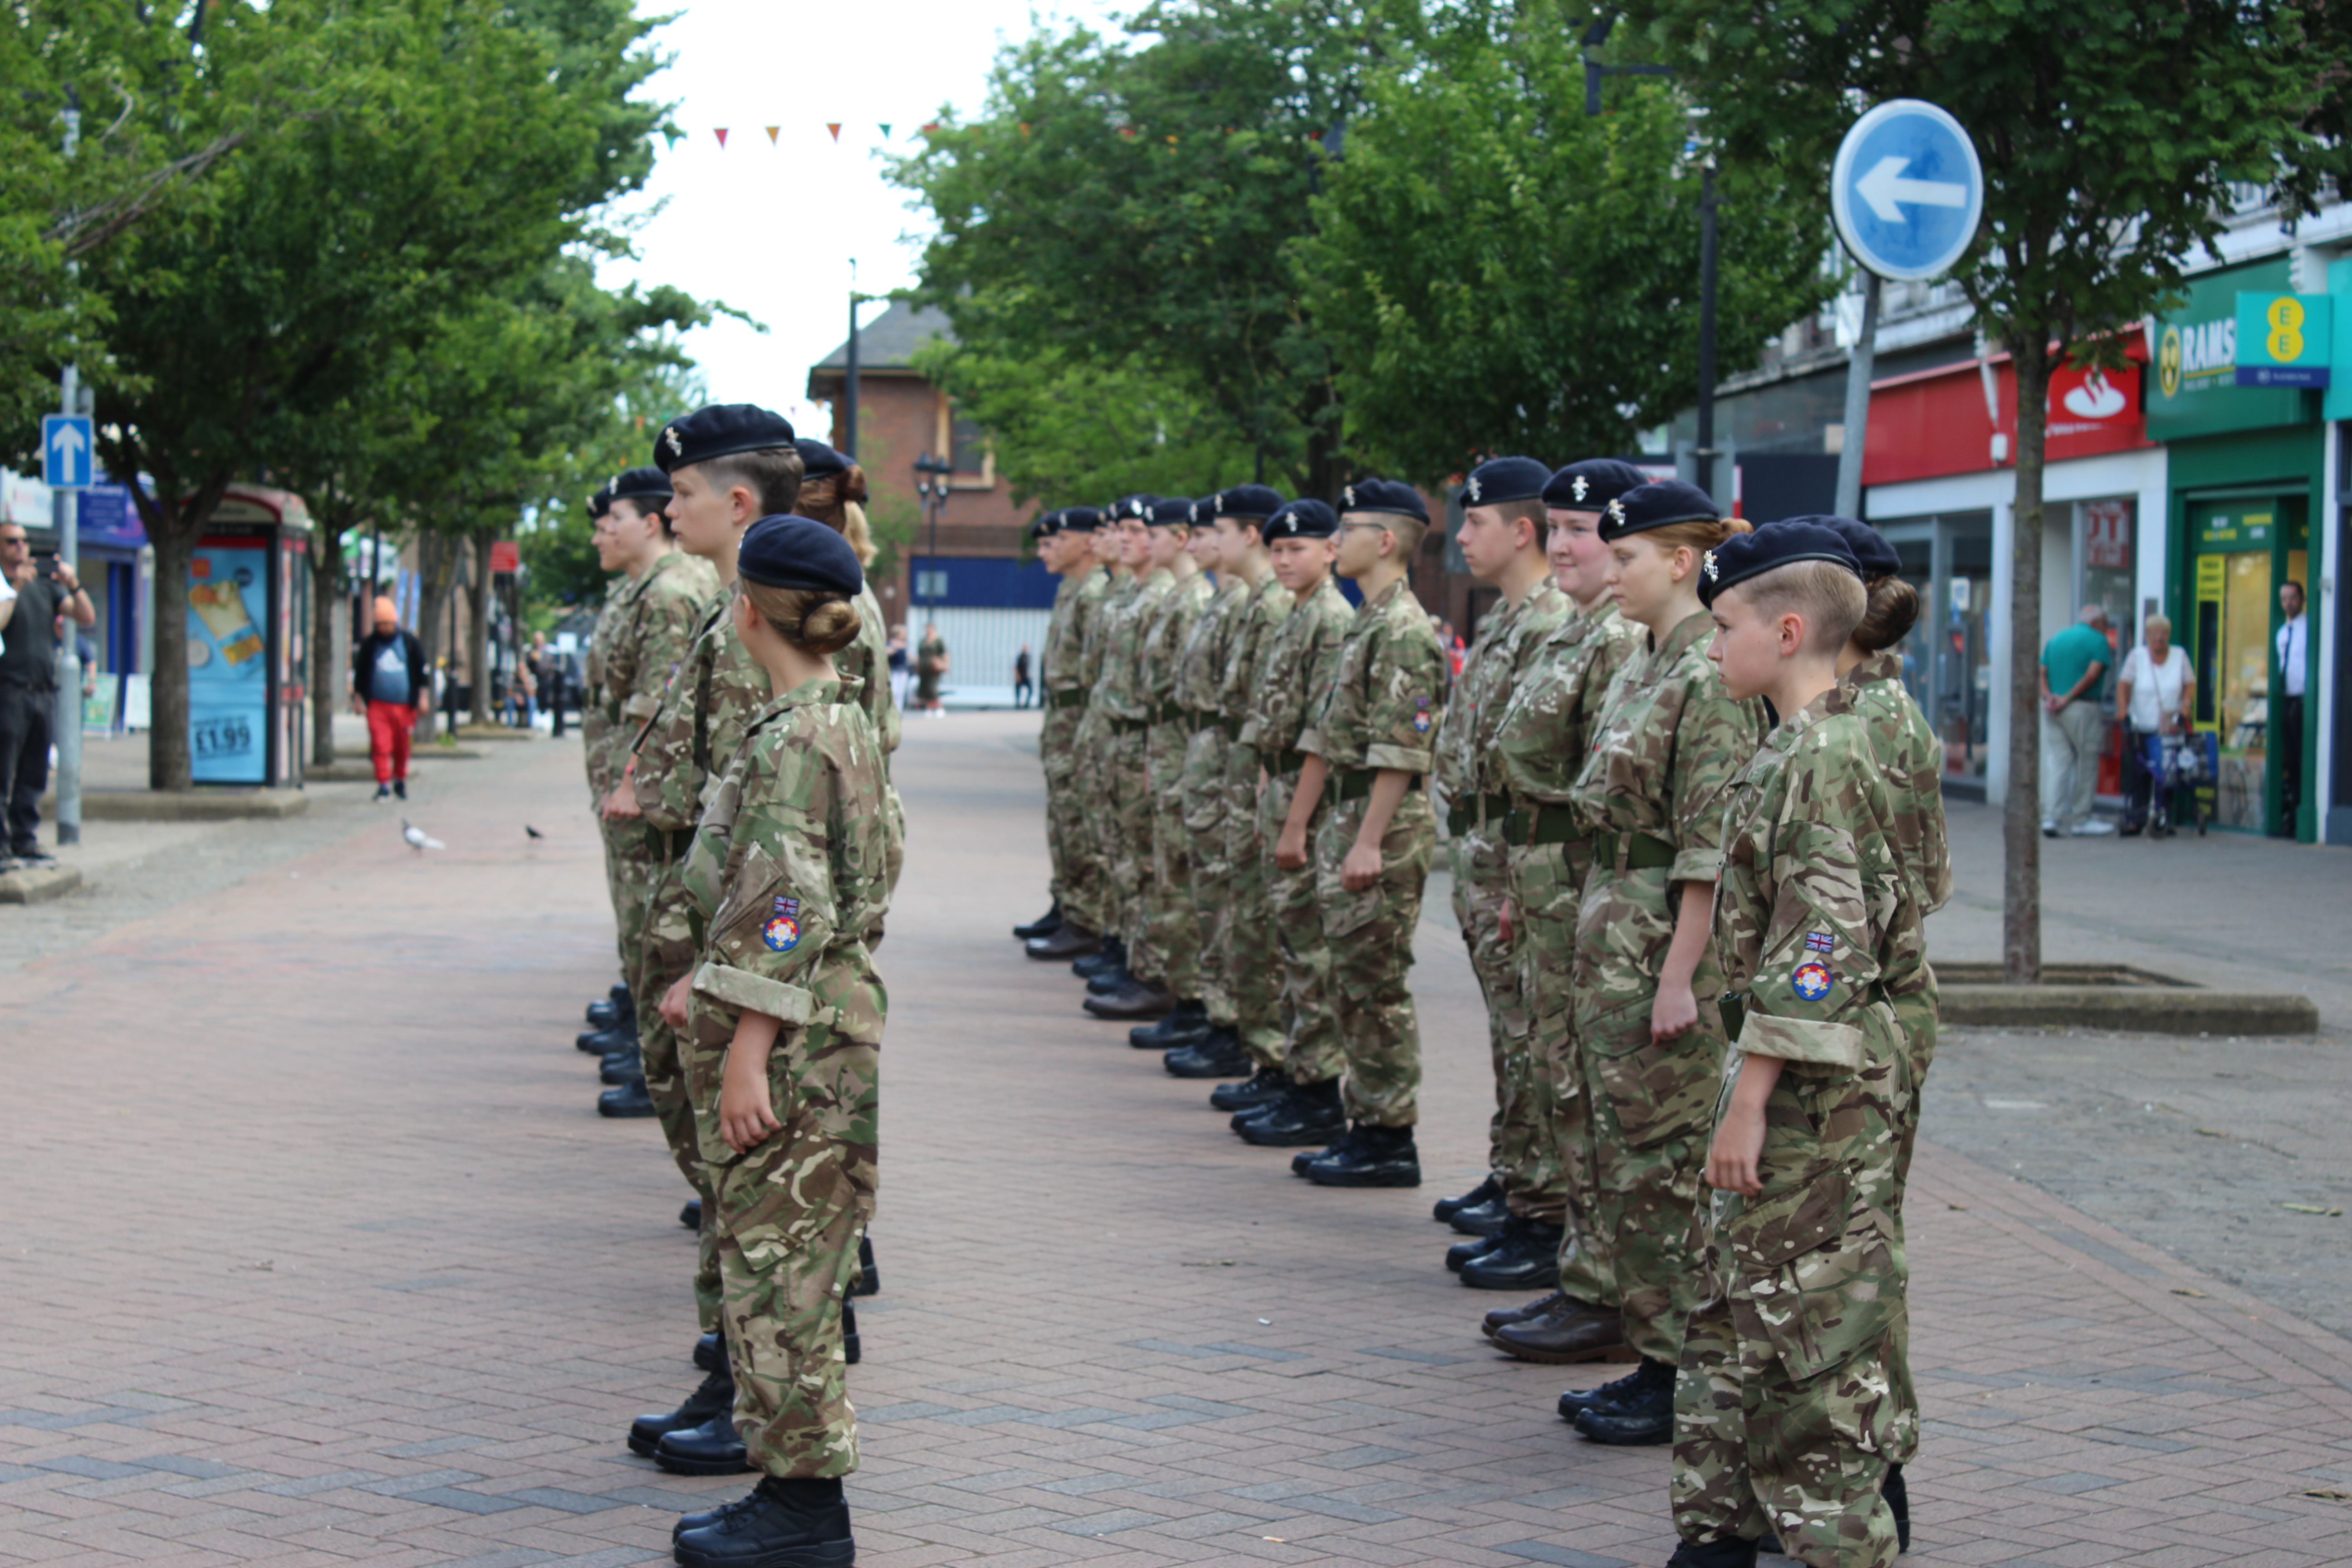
(1023,692)
(2074,665)
(389,686)
(930,668)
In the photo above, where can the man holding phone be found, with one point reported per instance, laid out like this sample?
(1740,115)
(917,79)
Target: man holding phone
(45,591)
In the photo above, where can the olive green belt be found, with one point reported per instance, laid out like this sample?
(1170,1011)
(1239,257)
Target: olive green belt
(1471,811)
(1129,726)
(668,843)
(1631,851)
(1355,783)
(1533,823)
(1069,696)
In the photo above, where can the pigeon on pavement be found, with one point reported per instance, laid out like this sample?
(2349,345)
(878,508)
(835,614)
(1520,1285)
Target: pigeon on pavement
(418,839)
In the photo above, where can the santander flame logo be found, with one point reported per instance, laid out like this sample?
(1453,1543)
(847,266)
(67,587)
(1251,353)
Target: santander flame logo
(2096,398)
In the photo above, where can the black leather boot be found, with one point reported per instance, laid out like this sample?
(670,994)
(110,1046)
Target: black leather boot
(710,1450)
(611,1008)
(1728,1552)
(1528,1256)
(1187,1026)
(1068,940)
(1374,1157)
(1046,924)
(628,1103)
(1482,1219)
(1575,1402)
(1309,1116)
(1486,1191)
(1110,953)
(621,1067)
(1458,1256)
(1217,1054)
(604,1042)
(1251,1095)
(782,1524)
(714,1396)
(1136,999)
(1643,1414)
(691,1216)
(710,1351)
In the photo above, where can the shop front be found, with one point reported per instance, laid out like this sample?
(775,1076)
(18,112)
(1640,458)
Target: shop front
(1940,481)
(2248,471)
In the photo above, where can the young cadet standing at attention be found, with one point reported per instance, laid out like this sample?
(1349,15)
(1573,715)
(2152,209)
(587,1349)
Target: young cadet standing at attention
(1170,935)
(1541,745)
(1043,529)
(1666,748)
(1502,539)
(1298,1106)
(729,465)
(1069,800)
(1198,799)
(654,630)
(791,884)
(611,1018)
(1138,990)
(1099,744)
(1371,741)
(1246,1030)
(1788,1407)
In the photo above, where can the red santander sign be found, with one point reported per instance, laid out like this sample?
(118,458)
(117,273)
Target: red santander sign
(1936,423)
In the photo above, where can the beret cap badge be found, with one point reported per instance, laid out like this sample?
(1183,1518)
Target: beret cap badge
(1711,573)
(1474,487)
(1582,485)
(669,434)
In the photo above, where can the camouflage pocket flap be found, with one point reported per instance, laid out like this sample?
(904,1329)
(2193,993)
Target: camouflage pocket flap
(1769,1232)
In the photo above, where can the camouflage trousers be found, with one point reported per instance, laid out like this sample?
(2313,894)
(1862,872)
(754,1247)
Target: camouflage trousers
(1200,796)
(1370,937)
(1126,837)
(667,957)
(1077,875)
(1096,838)
(1652,1104)
(1245,929)
(1547,891)
(1915,1019)
(1792,1400)
(1172,927)
(631,868)
(1312,1051)
(1518,1133)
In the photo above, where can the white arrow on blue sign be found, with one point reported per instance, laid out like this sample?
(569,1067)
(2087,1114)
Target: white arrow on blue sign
(1906,191)
(65,451)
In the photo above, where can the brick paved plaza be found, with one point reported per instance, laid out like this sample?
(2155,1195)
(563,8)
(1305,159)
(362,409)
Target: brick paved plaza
(315,1251)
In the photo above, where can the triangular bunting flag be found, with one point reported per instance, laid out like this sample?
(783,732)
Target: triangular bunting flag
(772,131)
(934,125)
(834,126)
(886,131)
(722,135)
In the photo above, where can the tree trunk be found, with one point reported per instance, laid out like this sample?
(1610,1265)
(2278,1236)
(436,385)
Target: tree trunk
(2021,914)
(478,598)
(326,612)
(169,766)
(436,561)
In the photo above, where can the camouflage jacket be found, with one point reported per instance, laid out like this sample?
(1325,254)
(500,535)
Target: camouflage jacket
(654,632)
(1074,622)
(1668,743)
(718,689)
(1159,651)
(595,727)
(1299,659)
(789,885)
(867,662)
(1250,627)
(1200,666)
(1504,658)
(1116,593)
(1118,691)
(1388,694)
(1913,758)
(1541,743)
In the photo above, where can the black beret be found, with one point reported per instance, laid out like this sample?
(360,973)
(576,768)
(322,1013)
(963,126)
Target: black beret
(1744,555)
(1138,505)
(1166,512)
(1660,504)
(1204,511)
(1304,518)
(1869,546)
(720,430)
(1045,526)
(817,458)
(1258,501)
(639,484)
(1500,479)
(1592,485)
(780,551)
(1079,519)
(599,504)
(1384,495)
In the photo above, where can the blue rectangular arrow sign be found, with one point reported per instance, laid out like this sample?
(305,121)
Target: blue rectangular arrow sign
(66,458)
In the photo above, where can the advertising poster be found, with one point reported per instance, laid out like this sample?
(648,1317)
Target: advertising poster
(228,676)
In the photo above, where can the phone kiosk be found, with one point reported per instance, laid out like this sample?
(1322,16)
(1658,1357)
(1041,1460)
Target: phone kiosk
(248,641)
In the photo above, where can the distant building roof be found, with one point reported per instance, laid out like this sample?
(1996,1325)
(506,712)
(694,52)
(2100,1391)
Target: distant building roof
(890,339)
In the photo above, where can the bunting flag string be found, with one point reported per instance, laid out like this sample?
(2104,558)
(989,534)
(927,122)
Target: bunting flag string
(833,128)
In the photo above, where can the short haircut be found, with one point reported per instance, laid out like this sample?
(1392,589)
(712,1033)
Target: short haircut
(2159,624)
(1409,531)
(1829,596)
(2093,614)
(1531,510)
(772,475)
(645,507)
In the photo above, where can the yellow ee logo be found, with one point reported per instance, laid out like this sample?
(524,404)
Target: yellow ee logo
(2167,362)
(2284,317)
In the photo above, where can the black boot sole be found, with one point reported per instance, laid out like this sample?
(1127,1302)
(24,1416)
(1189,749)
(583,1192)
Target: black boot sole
(1321,1137)
(739,1465)
(1363,1178)
(815,1555)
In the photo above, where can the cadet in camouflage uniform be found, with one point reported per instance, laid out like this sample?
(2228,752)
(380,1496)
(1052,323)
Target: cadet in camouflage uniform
(1077,605)
(1045,535)
(1229,891)
(1372,740)
(1787,1409)
(1138,989)
(1502,539)
(1667,745)
(610,1019)
(1097,744)
(652,630)
(731,464)
(1297,1102)
(790,883)
(1540,747)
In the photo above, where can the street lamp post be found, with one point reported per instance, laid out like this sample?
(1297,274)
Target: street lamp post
(931,484)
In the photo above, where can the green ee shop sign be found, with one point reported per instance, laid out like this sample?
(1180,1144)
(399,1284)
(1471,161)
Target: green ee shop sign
(2283,340)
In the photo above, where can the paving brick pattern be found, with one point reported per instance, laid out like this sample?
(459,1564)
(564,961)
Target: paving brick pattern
(313,1250)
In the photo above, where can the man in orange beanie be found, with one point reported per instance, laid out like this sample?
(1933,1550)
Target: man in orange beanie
(388,686)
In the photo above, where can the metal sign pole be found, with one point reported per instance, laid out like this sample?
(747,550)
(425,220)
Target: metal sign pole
(66,506)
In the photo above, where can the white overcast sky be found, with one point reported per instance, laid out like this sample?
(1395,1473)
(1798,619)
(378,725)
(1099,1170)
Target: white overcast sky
(772,230)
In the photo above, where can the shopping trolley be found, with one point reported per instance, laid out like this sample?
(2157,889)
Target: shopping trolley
(2181,770)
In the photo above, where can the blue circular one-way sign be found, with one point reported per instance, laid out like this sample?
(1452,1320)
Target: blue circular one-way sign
(1906,190)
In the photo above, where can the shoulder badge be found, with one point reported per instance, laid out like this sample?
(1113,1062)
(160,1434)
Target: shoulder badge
(1818,941)
(783,931)
(1810,981)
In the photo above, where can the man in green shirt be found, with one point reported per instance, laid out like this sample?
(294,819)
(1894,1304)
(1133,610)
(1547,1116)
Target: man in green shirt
(2074,730)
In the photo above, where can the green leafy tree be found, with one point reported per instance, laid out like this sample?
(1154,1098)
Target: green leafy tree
(2109,136)
(1496,271)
